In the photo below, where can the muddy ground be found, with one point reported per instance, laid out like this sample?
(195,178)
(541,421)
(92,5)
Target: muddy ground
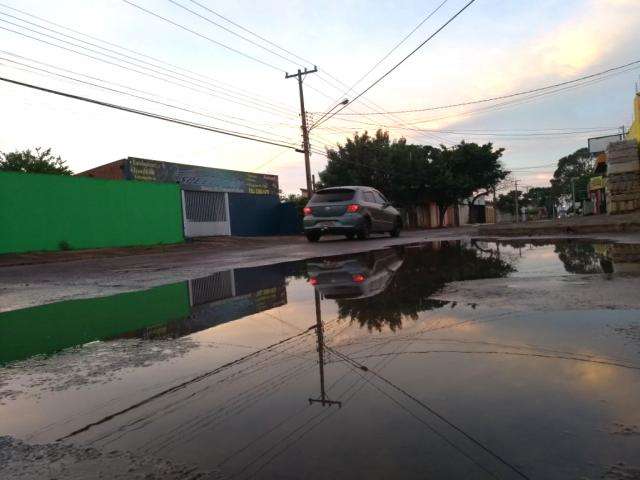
(32,284)
(29,285)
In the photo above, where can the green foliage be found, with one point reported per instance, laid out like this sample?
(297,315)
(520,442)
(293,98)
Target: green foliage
(577,166)
(298,200)
(578,257)
(424,272)
(507,201)
(538,197)
(391,167)
(411,174)
(40,161)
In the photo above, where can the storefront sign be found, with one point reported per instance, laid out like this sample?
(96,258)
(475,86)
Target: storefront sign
(201,178)
(596,183)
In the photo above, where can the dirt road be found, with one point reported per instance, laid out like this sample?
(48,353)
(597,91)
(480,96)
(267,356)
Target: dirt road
(74,276)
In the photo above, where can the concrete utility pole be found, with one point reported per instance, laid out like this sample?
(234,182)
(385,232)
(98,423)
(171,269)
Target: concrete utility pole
(305,131)
(323,400)
(573,195)
(516,203)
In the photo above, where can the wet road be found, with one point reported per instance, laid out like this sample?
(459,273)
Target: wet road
(396,363)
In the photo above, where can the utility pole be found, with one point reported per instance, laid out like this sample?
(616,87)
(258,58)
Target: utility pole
(516,203)
(320,336)
(305,131)
(573,195)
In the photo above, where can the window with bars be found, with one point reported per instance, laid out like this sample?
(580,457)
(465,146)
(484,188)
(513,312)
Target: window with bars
(201,206)
(212,288)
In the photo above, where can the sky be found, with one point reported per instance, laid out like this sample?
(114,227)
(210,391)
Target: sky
(194,70)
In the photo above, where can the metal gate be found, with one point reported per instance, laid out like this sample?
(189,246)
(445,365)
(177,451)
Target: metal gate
(205,213)
(215,287)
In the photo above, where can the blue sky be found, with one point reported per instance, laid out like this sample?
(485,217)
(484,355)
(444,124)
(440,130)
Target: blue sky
(493,48)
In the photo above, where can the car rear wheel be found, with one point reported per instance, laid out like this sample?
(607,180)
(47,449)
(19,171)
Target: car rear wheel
(350,236)
(313,236)
(397,226)
(365,231)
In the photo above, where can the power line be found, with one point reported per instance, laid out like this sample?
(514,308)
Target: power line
(502,105)
(149,114)
(431,411)
(249,31)
(279,47)
(172,73)
(207,19)
(320,76)
(529,99)
(169,80)
(111,83)
(351,88)
(534,167)
(203,36)
(184,384)
(487,133)
(396,46)
(177,107)
(510,95)
(225,85)
(386,74)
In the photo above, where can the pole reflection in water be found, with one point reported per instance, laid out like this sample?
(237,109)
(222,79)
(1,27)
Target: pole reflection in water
(320,338)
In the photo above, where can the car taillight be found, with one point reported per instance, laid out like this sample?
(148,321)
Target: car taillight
(307,210)
(353,208)
(358,278)
(313,281)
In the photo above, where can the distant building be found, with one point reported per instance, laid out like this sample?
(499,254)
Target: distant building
(215,201)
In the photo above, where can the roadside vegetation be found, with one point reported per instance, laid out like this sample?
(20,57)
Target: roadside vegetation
(410,174)
(38,161)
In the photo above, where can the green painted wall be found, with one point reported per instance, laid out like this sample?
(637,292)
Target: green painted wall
(38,212)
(49,328)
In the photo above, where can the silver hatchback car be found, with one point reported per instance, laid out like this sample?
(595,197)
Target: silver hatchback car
(350,211)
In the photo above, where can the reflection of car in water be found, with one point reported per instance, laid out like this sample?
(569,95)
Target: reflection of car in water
(354,277)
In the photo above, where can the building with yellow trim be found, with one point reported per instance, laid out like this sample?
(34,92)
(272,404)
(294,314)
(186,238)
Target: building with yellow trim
(634,131)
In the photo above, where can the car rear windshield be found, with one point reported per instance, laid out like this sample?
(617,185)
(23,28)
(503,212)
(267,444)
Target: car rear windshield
(333,196)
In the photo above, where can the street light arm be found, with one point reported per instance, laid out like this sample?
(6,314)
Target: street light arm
(317,122)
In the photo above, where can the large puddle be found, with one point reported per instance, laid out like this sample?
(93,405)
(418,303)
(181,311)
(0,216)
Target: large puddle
(374,366)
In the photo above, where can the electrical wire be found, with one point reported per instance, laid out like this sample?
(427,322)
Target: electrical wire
(392,69)
(393,49)
(140,97)
(432,412)
(222,85)
(511,95)
(203,36)
(149,114)
(228,30)
(186,383)
(135,70)
(141,63)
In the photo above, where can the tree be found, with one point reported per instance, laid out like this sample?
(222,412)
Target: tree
(424,272)
(507,202)
(456,173)
(413,174)
(576,167)
(40,161)
(578,257)
(538,197)
(298,200)
(392,167)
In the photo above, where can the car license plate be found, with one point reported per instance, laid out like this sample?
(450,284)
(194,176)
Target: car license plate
(327,224)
